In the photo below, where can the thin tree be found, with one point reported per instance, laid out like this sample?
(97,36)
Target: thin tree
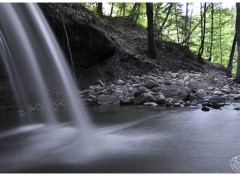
(237,76)
(165,20)
(220,34)
(203,32)
(99,9)
(212,29)
(176,22)
(134,12)
(230,61)
(151,42)
(111,12)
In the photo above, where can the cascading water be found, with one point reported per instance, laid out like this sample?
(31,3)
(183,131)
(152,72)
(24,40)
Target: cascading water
(35,64)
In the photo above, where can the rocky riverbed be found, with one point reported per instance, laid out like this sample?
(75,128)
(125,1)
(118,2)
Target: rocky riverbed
(211,90)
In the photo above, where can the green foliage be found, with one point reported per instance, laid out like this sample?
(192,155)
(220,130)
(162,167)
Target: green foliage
(178,26)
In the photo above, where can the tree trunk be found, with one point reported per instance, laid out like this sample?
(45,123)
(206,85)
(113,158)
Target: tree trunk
(124,9)
(151,42)
(111,10)
(220,35)
(176,22)
(230,62)
(133,14)
(203,29)
(99,9)
(237,77)
(186,30)
(165,20)
(211,44)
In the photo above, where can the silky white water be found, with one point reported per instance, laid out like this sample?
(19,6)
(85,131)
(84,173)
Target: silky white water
(35,63)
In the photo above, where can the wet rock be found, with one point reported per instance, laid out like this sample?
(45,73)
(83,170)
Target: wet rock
(216,105)
(143,98)
(149,104)
(205,109)
(237,108)
(160,99)
(208,104)
(150,84)
(169,102)
(120,82)
(187,103)
(108,99)
(176,104)
(126,101)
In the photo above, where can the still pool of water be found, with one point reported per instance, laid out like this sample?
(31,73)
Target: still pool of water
(126,140)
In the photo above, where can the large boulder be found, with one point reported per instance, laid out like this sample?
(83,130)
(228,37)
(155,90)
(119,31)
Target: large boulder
(176,92)
(143,98)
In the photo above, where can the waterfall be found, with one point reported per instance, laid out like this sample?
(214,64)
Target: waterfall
(35,64)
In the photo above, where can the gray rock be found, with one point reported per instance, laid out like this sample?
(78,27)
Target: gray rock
(211,88)
(236,97)
(167,82)
(187,103)
(120,93)
(217,92)
(156,89)
(176,104)
(191,84)
(120,82)
(140,91)
(169,102)
(216,98)
(160,99)
(224,90)
(143,98)
(174,75)
(237,108)
(180,82)
(186,78)
(108,99)
(149,104)
(234,92)
(150,84)
(200,94)
(126,101)
(176,92)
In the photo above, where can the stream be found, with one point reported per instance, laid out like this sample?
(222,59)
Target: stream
(127,139)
